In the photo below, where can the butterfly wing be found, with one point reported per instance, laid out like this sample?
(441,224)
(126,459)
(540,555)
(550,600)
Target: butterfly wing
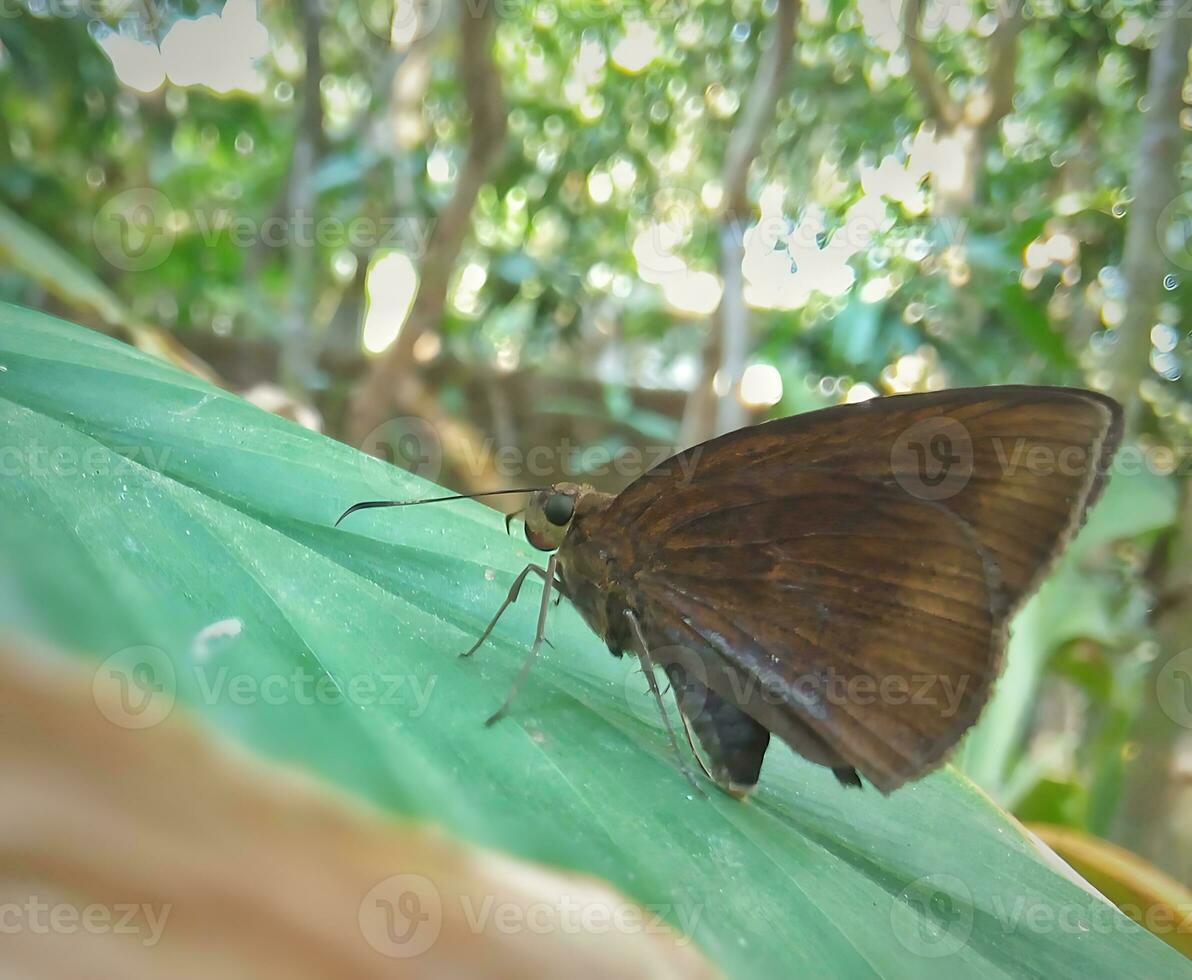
(845,576)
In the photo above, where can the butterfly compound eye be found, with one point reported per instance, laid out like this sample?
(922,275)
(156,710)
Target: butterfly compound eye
(559,508)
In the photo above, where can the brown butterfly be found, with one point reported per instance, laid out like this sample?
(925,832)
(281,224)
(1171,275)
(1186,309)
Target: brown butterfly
(841,579)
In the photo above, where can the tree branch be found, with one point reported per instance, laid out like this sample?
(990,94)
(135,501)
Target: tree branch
(298,348)
(1003,66)
(392,381)
(727,344)
(757,111)
(1142,821)
(940,106)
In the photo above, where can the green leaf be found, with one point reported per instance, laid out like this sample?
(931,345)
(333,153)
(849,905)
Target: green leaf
(47,263)
(854,333)
(143,506)
(1030,319)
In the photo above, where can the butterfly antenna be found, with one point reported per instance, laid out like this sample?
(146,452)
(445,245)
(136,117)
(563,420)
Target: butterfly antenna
(368,504)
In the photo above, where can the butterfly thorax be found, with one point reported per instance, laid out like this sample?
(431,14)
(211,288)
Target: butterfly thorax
(589,571)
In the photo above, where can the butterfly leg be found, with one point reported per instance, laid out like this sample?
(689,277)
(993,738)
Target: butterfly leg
(510,599)
(648,669)
(539,635)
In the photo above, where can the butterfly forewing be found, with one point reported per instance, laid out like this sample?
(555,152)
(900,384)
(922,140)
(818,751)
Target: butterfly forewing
(844,576)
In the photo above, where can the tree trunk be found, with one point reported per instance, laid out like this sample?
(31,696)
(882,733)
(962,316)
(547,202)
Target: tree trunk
(1146,822)
(1154,186)
(298,353)
(710,412)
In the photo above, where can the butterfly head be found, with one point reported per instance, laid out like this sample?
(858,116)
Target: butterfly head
(549,514)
